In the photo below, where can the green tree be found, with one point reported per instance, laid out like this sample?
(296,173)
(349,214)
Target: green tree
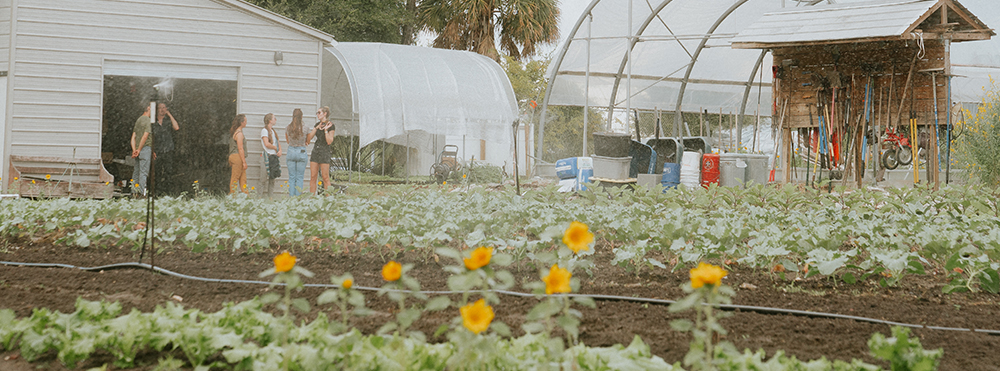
(976,139)
(348,20)
(473,25)
(564,129)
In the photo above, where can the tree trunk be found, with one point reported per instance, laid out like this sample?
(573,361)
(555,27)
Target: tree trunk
(409,28)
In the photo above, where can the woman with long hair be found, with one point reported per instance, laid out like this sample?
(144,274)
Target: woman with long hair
(296,138)
(272,152)
(322,153)
(238,155)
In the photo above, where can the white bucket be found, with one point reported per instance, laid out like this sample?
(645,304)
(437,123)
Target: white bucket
(691,169)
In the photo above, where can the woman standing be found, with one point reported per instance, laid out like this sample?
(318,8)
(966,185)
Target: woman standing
(272,152)
(296,159)
(322,153)
(238,155)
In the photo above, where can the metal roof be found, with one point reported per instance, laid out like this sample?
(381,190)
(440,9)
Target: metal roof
(869,20)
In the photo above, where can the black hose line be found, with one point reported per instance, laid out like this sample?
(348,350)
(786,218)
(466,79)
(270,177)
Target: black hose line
(730,307)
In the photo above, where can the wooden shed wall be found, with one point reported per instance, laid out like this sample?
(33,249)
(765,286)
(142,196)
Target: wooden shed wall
(61,48)
(887,63)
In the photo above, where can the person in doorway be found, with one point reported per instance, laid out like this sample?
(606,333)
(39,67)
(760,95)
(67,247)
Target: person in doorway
(163,131)
(272,152)
(238,155)
(141,143)
(322,153)
(296,138)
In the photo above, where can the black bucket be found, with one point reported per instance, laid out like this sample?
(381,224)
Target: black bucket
(612,144)
(666,151)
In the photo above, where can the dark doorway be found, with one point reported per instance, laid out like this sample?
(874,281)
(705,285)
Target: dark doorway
(204,109)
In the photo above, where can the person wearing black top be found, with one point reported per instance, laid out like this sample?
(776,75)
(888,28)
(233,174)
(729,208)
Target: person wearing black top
(322,153)
(163,129)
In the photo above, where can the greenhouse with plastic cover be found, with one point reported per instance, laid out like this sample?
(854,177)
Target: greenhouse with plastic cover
(720,63)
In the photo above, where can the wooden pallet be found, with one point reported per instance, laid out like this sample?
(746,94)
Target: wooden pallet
(41,176)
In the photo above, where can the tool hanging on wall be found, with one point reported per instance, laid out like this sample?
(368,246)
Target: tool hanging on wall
(913,138)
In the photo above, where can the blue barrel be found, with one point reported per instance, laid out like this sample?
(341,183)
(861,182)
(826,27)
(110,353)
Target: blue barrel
(583,178)
(671,174)
(568,168)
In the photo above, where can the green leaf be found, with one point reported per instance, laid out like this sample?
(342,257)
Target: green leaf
(301,304)
(849,278)
(585,301)
(681,325)
(990,281)
(437,303)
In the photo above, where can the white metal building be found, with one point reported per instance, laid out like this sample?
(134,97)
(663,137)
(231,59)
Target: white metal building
(64,64)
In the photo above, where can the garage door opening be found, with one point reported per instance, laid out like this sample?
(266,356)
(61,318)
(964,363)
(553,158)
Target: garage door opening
(204,109)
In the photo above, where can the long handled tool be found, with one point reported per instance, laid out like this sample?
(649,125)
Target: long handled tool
(913,140)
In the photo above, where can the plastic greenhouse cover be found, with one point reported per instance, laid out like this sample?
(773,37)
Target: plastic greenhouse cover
(405,94)
(669,34)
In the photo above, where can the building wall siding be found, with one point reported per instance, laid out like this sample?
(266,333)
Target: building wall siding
(5,11)
(62,45)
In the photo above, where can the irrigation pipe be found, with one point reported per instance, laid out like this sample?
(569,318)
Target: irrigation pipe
(732,307)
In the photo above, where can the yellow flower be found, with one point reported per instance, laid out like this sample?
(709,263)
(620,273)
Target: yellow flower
(391,271)
(32,181)
(463,176)
(557,281)
(347,283)
(477,316)
(48,176)
(444,183)
(195,182)
(251,188)
(707,274)
(577,237)
(480,258)
(284,262)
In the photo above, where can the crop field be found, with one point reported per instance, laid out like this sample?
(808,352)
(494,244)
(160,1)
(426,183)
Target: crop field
(469,277)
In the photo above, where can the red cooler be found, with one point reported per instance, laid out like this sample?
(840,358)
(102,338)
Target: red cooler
(709,169)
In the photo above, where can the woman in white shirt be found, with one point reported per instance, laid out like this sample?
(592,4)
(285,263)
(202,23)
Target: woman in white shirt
(272,151)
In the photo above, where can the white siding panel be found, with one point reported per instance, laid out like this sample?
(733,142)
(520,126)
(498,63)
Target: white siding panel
(62,48)
(5,8)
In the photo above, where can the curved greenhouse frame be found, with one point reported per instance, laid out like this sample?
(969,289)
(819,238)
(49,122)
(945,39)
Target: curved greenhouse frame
(675,56)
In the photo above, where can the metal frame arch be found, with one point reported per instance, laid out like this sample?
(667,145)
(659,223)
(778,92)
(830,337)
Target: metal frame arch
(633,39)
(746,97)
(678,118)
(539,146)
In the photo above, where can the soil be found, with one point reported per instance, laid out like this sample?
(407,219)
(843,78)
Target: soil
(917,300)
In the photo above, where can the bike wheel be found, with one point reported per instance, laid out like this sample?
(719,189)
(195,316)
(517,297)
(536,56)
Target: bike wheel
(904,155)
(889,159)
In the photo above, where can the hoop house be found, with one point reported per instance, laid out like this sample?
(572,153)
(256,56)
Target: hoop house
(415,96)
(675,56)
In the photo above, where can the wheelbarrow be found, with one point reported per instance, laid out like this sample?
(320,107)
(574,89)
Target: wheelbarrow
(447,162)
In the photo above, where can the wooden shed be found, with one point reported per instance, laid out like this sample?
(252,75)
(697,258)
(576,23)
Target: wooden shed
(850,75)
(76,75)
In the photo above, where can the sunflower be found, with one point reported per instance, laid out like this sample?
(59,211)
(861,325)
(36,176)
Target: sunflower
(557,281)
(391,271)
(578,237)
(480,258)
(284,262)
(477,316)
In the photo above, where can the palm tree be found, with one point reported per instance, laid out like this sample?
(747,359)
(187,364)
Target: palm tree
(473,24)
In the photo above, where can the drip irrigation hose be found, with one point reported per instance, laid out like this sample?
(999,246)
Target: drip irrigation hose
(729,307)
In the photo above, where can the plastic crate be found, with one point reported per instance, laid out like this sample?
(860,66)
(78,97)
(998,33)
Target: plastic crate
(612,167)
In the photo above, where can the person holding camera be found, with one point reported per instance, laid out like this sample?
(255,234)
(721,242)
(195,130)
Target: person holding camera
(322,153)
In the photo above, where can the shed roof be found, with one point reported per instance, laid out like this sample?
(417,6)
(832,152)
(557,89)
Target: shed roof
(280,19)
(867,21)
